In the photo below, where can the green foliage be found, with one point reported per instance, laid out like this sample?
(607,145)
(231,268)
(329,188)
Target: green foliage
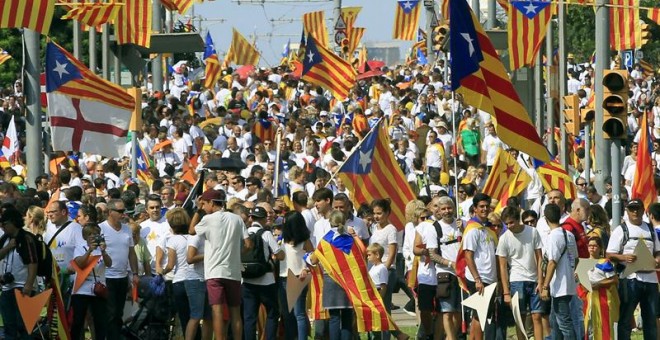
(580,31)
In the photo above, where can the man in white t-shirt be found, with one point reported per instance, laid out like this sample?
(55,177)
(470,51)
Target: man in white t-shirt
(155,230)
(640,287)
(519,257)
(67,239)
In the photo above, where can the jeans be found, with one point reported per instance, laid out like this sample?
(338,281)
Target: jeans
(341,324)
(253,296)
(117,290)
(561,323)
(80,304)
(631,293)
(296,322)
(182,305)
(13,322)
(577,317)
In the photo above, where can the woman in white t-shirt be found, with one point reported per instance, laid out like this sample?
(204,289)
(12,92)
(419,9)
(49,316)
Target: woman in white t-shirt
(385,234)
(86,295)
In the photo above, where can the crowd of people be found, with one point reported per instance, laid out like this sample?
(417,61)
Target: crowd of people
(225,260)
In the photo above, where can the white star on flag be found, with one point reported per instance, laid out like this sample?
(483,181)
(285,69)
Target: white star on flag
(140,162)
(310,55)
(365,159)
(530,8)
(60,68)
(469,40)
(407,5)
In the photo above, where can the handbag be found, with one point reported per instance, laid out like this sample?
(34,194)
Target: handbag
(99,289)
(443,289)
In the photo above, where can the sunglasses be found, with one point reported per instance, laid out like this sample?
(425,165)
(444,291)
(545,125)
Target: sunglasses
(121,211)
(529,221)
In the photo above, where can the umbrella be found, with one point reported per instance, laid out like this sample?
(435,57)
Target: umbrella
(371,65)
(212,121)
(161,145)
(229,164)
(369,74)
(244,70)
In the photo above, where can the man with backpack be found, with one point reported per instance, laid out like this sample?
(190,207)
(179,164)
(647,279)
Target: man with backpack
(258,279)
(640,287)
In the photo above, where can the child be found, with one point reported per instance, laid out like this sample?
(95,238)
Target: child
(378,272)
(85,297)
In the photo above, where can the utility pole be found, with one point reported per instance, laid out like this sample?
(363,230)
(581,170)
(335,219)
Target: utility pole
(105,50)
(157,63)
(431,19)
(492,14)
(538,95)
(76,38)
(549,107)
(476,9)
(92,49)
(561,23)
(602,166)
(33,113)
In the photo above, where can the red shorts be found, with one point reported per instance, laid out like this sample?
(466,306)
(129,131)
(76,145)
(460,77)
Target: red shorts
(223,291)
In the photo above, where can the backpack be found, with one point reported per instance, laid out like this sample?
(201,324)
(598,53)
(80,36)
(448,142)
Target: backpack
(402,164)
(235,155)
(544,259)
(196,102)
(44,256)
(438,231)
(626,236)
(254,261)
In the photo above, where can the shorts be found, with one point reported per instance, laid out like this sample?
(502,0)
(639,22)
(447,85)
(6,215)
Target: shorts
(428,302)
(197,299)
(224,290)
(529,300)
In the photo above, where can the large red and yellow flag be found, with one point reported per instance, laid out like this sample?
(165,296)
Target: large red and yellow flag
(323,68)
(133,24)
(371,172)
(345,264)
(478,74)
(314,25)
(406,19)
(180,6)
(354,37)
(654,14)
(516,186)
(554,176)
(502,173)
(643,186)
(349,14)
(36,15)
(625,33)
(93,14)
(241,52)
(212,72)
(527,26)
(4,56)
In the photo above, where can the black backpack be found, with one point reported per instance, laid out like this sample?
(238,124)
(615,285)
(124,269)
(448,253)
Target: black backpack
(254,261)
(44,256)
(235,154)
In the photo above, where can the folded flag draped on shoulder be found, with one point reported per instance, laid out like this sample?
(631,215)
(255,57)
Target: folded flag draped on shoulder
(314,25)
(4,56)
(644,181)
(527,26)
(87,113)
(406,19)
(554,176)
(478,74)
(345,264)
(461,264)
(180,6)
(36,15)
(93,14)
(654,14)
(133,24)
(502,173)
(241,52)
(324,68)
(625,33)
(371,172)
(317,312)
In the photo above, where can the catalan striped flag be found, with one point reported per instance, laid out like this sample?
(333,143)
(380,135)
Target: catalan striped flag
(478,74)
(461,264)
(554,176)
(519,183)
(602,305)
(624,25)
(4,56)
(180,6)
(349,14)
(647,68)
(36,15)
(133,24)
(213,71)
(643,186)
(371,172)
(502,173)
(56,312)
(527,26)
(241,52)
(324,68)
(315,292)
(314,25)
(406,19)
(444,9)
(362,56)
(143,164)
(93,14)
(654,14)
(343,261)
(354,37)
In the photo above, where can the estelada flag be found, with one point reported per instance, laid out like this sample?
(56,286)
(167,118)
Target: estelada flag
(406,19)
(501,174)
(554,177)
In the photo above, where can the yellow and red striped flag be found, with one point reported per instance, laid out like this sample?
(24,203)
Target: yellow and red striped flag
(599,304)
(354,37)
(315,291)
(478,74)
(554,176)
(343,261)
(528,24)
(654,14)
(643,186)
(461,264)
(133,24)
(516,186)
(180,6)
(36,15)
(241,52)
(212,72)
(444,9)
(502,173)
(625,31)
(93,14)
(371,172)
(4,56)
(314,24)
(349,14)
(647,68)
(324,68)
(406,19)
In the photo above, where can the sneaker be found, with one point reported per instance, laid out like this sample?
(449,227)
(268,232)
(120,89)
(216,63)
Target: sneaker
(409,308)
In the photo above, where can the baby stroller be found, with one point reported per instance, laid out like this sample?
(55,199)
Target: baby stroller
(153,319)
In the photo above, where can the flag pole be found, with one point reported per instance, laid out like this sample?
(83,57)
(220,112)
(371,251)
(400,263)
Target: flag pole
(278,157)
(454,132)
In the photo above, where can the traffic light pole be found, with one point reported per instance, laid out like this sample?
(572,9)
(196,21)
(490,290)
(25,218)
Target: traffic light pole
(430,54)
(33,129)
(561,24)
(587,154)
(615,153)
(602,168)
(548,86)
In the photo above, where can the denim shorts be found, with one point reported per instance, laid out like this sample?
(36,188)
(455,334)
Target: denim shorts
(197,299)
(529,300)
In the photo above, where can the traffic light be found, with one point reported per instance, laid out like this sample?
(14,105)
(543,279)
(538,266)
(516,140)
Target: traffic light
(645,35)
(587,115)
(344,45)
(615,104)
(572,114)
(439,36)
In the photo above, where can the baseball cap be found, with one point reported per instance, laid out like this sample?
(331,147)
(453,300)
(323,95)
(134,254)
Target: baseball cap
(258,212)
(213,195)
(635,204)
